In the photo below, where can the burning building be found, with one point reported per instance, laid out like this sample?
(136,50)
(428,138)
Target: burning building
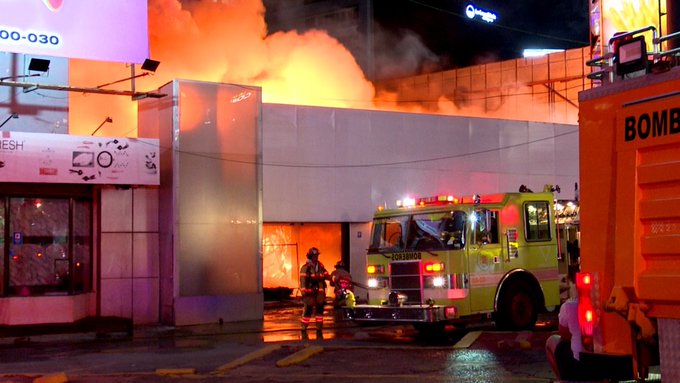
(266,145)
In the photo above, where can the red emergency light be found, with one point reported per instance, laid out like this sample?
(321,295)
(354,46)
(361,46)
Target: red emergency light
(587,316)
(433,267)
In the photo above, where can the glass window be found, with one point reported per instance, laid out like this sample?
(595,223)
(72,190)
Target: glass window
(485,227)
(39,247)
(388,234)
(537,221)
(437,231)
(452,229)
(49,246)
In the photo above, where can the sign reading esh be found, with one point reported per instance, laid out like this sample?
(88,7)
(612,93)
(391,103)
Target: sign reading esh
(101,30)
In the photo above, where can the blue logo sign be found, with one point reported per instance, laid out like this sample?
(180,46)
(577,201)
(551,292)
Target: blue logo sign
(471,12)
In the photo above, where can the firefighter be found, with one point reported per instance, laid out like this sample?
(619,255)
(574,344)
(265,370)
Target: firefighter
(313,276)
(341,280)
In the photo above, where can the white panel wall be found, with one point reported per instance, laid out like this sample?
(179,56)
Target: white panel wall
(129,254)
(337,165)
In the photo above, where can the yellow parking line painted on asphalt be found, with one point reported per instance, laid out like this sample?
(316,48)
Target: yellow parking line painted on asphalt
(468,339)
(299,356)
(175,371)
(247,358)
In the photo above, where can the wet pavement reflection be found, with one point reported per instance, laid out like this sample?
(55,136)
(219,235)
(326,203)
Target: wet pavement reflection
(351,352)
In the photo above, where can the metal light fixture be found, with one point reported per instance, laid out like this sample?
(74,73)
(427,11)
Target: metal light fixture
(11,116)
(35,65)
(630,55)
(107,119)
(149,66)
(39,65)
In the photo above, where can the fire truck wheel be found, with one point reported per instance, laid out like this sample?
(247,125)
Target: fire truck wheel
(517,307)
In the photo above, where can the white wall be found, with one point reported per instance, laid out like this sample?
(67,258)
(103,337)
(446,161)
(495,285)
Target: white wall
(42,111)
(130,254)
(338,165)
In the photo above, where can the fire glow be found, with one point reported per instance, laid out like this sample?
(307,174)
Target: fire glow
(227,43)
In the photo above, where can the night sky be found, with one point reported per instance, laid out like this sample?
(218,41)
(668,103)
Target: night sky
(458,41)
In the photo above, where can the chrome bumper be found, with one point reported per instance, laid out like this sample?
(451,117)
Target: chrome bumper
(403,313)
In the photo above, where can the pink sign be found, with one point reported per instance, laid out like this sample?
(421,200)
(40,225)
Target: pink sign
(101,30)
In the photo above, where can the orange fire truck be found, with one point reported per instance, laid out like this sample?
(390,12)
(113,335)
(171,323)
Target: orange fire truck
(629,287)
(444,260)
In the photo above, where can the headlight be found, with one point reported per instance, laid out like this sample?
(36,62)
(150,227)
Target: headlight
(377,283)
(435,281)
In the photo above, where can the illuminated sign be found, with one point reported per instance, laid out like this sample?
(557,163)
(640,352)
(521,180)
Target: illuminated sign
(471,12)
(102,30)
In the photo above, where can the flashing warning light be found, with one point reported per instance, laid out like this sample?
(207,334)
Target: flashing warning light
(587,316)
(15,257)
(584,281)
(434,267)
(375,269)
(406,202)
(438,199)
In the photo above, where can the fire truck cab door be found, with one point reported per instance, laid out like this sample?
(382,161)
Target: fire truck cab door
(484,254)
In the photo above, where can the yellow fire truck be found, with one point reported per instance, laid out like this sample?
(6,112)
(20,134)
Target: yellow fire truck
(444,259)
(629,287)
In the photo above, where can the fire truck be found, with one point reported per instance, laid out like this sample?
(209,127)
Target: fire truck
(629,285)
(447,260)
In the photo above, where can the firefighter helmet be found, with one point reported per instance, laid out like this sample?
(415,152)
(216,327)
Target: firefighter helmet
(340,265)
(313,252)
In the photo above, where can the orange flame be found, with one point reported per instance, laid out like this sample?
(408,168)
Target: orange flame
(227,43)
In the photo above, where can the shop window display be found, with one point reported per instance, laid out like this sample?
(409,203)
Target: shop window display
(48,246)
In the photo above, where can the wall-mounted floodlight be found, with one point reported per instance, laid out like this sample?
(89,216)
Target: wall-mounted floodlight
(39,65)
(630,55)
(11,116)
(35,65)
(149,66)
(107,119)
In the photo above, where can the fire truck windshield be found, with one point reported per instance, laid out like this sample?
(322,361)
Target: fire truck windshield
(428,232)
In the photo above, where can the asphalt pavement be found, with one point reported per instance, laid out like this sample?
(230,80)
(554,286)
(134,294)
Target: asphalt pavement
(270,350)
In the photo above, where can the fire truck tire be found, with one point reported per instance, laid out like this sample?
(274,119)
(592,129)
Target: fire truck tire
(517,308)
